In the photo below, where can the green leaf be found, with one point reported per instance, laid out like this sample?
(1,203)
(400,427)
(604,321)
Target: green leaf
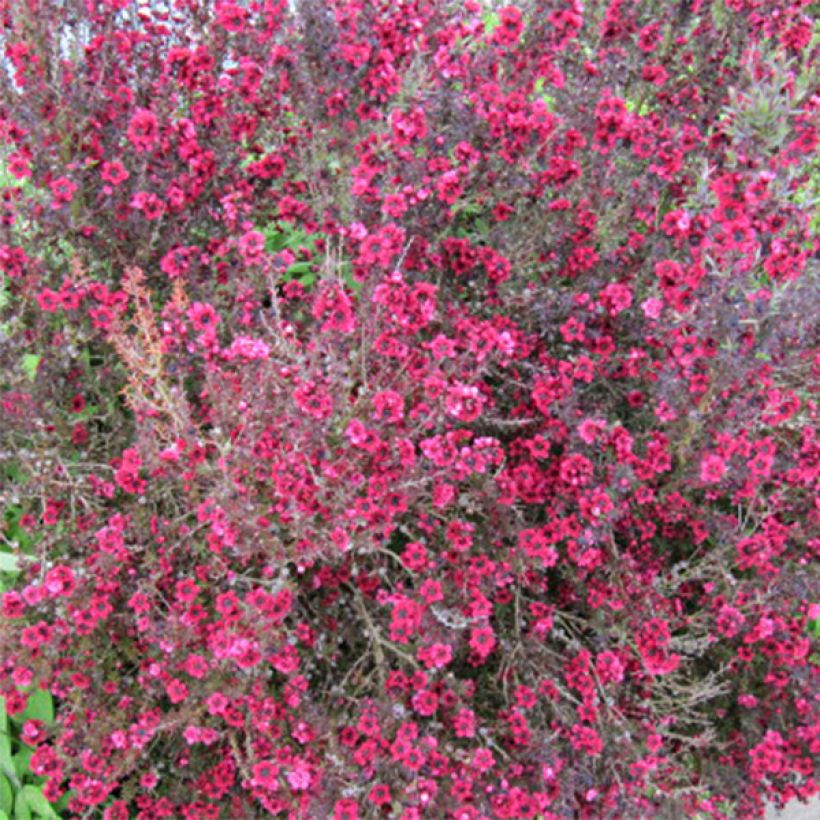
(6,794)
(249,160)
(3,815)
(21,762)
(15,473)
(21,808)
(9,562)
(491,22)
(62,804)
(37,802)
(31,361)
(642,109)
(298,268)
(40,706)
(354,284)
(6,763)
(297,238)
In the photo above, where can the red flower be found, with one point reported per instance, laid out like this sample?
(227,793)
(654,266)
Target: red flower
(11,605)
(266,775)
(482,641)
(380,795)
(176,690)
(114,172)
(63,190)
(464,723)
(586,739)
(18,166)
(712,469)
(413,758)
(509,26)
(231,16)
(346,809)
(143,130)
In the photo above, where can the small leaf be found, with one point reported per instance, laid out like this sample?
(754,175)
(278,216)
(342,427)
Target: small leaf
(31,361)
(6,762)
(491,22)
(21,807)
(354,284)
(62,804)
(37,802)
(40,706)
(293,239)
(6,794)
(299,268)
(9,562)
(21,762)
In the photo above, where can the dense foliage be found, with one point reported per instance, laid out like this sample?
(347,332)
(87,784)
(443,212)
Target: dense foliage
(406,408)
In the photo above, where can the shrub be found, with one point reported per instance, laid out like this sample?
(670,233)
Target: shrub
(407,408)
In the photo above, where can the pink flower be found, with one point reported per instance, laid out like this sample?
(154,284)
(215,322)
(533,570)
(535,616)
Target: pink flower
(63,190)
(149,780)
(408,125)
(609,668)
(312,399)
(60,581)
(482,641)
(616,298)
(465,723)
(143,130)
(177,691)
(464,402)
(652,308)
(217,703)
(191,735)
(196,666)
(265,774)
(576,470)
(712,469)
(299,777)
(18,166)
(251,247)
(509,27)
(231,16)
(114,172)
(436,656)
(590,429)
(586,739)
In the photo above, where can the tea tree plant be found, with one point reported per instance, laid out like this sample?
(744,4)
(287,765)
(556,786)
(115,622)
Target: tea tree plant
(408,409)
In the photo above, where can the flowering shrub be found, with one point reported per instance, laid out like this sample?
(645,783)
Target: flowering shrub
(406,408)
